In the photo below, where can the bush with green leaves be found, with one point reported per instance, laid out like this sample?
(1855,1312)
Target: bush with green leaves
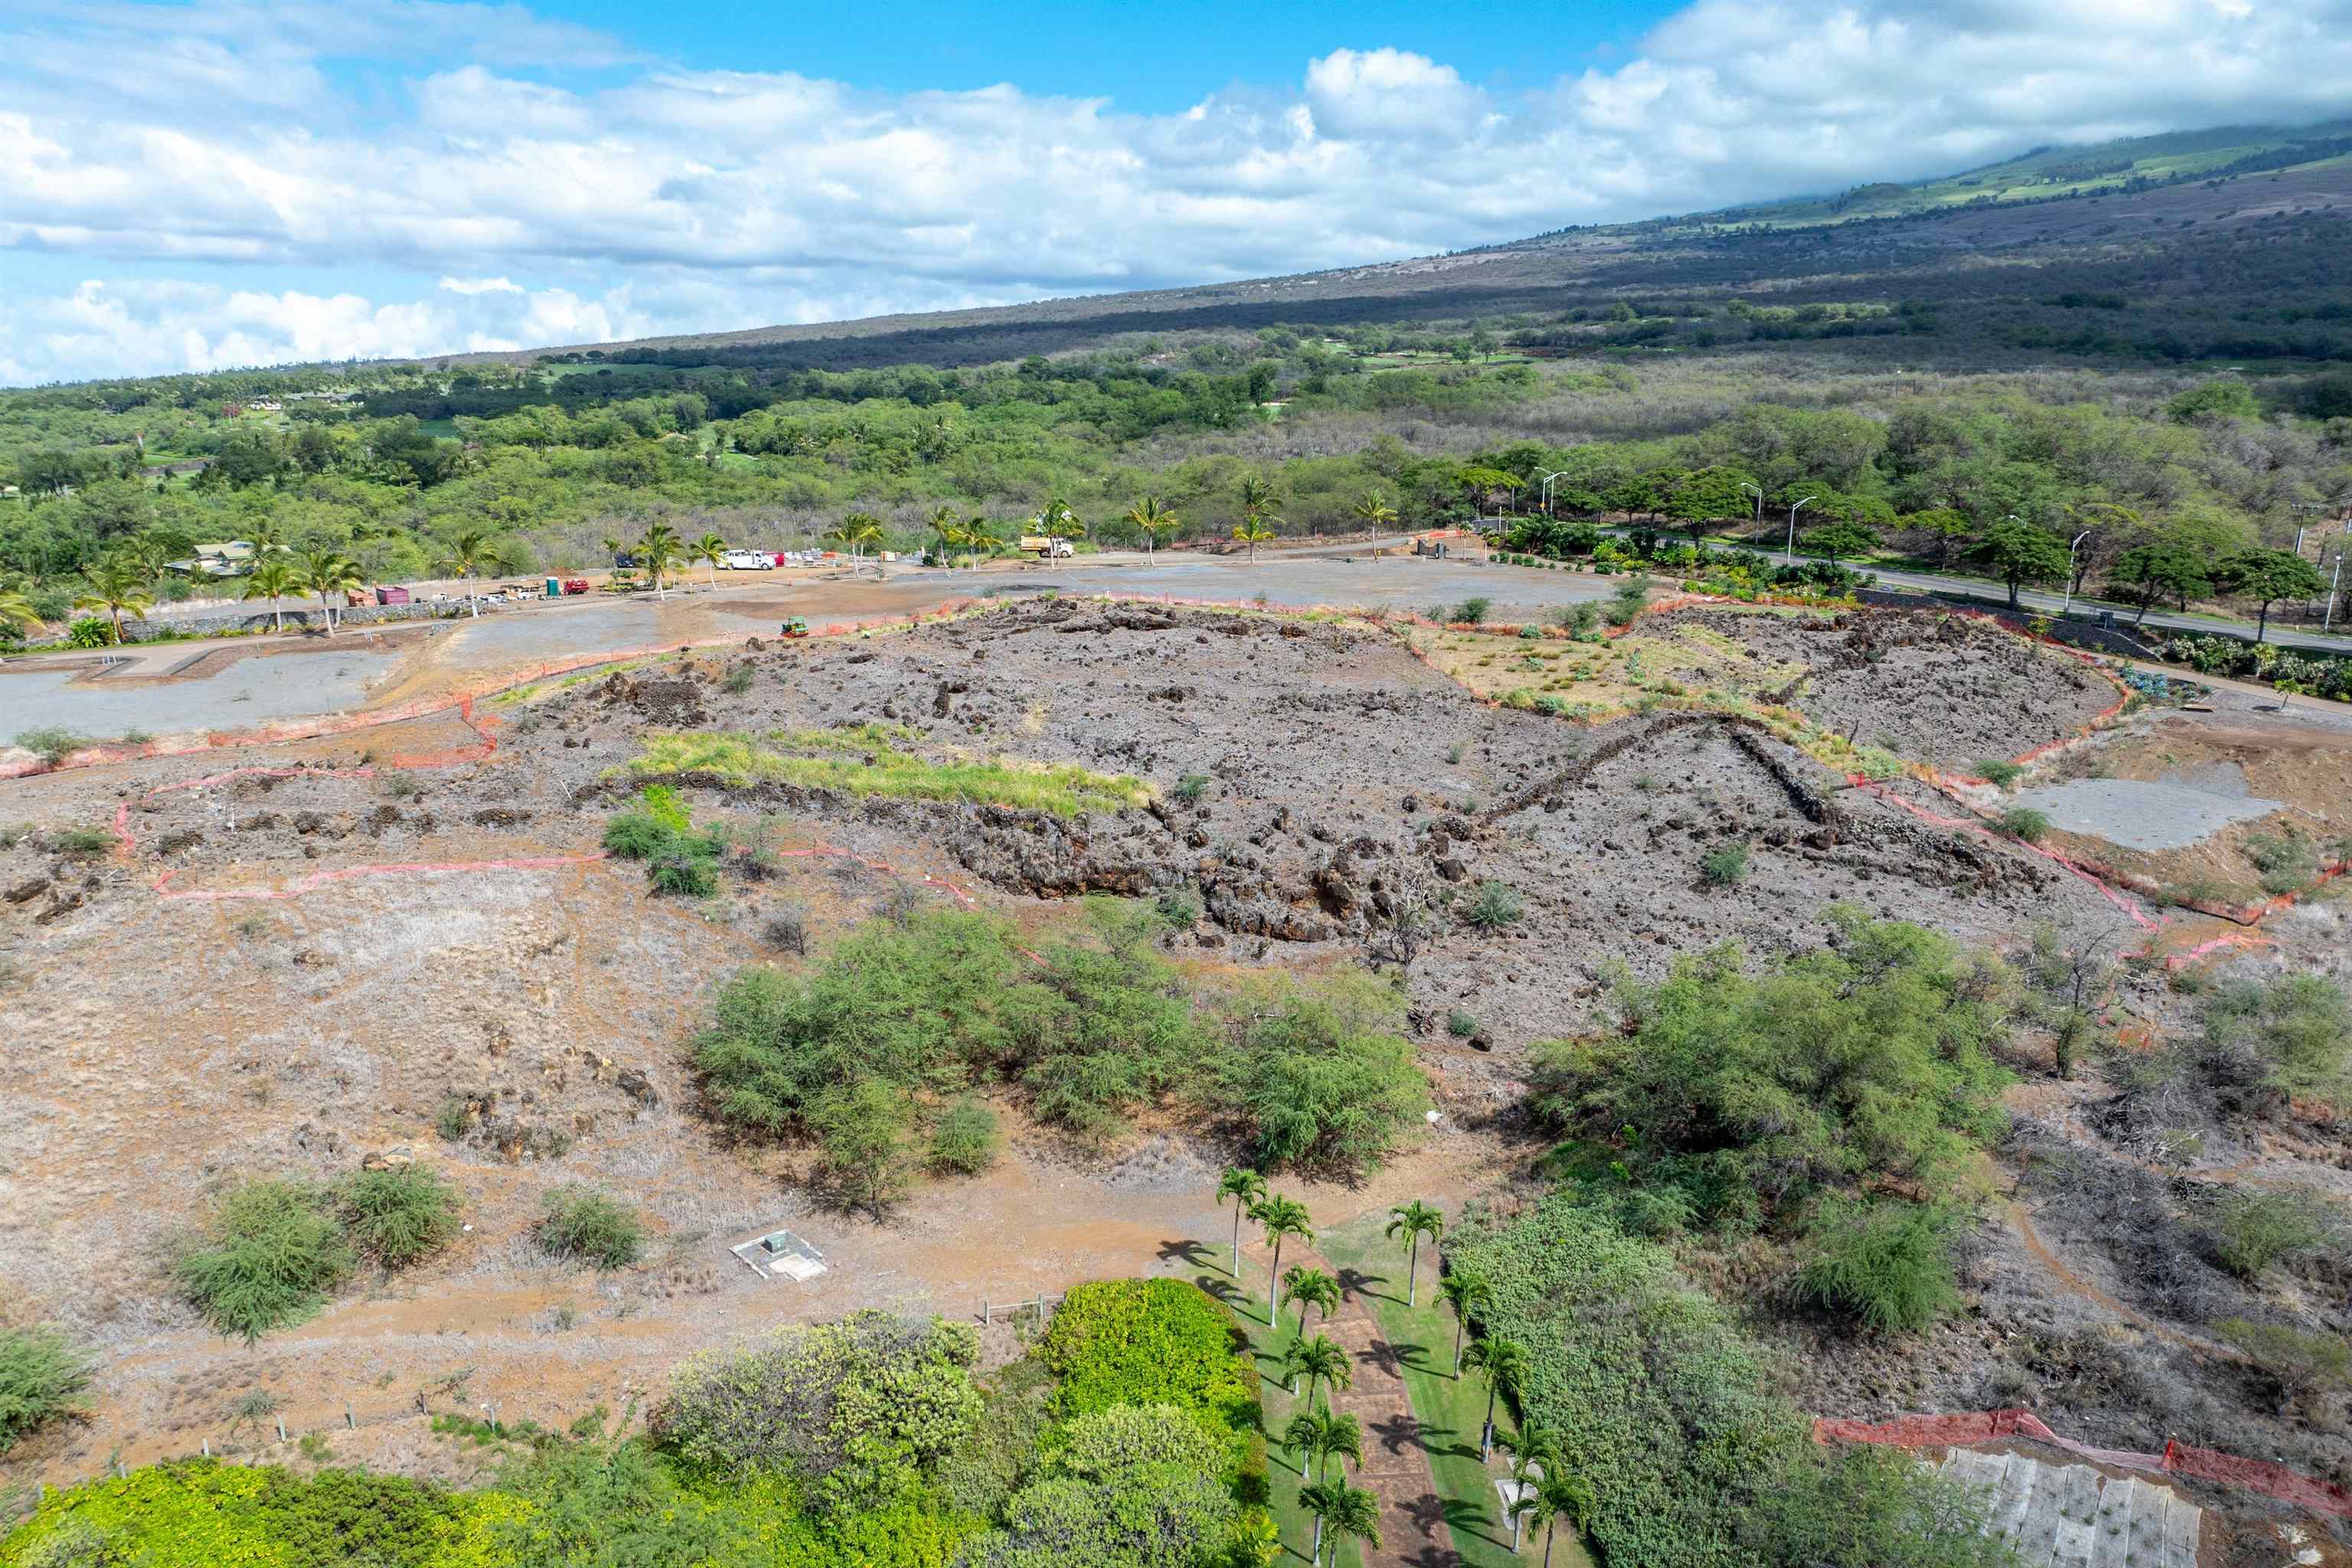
(1998,774)
(52,743)
(2264,1041)
(1630,600)
(1673,1416)
(2024,824)
(400,1214)
(1192,787)
(2285,861)
(1755,1086)
(1317,1080)
(1131,1487)
(965,1138)
(1119,1343)
(1491,907)
(1887,1262)
(1726,865)
(42,1378)
(269,1257)
(1472,612)
(658,831)
(2250,1228)
(858,1412)
(2305,1364)
(580,1223)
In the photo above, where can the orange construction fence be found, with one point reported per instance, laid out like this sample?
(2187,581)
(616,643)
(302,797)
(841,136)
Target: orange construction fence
(1971,1427)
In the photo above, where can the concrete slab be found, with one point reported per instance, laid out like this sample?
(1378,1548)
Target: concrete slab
(2073,1516)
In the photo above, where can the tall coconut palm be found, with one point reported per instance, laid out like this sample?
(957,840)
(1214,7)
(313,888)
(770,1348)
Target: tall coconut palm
(1375,511)
(857,531)
(980,538)
(1413,1221)
(272,579)
(1057,521)
(1324,1434)
(1247,1188)
(1312,1288)
(712,549)
(1258,521)
(1340,1510)
(1155,520)
(660,551)
(1467,1291)
(16,609)
(1281,1217)
(470,550)
(949,527)
(1505,1363)
(116,585)
(1324,1360)
(326,574)
(1554,1496)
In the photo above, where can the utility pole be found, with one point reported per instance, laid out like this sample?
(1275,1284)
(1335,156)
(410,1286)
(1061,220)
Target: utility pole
(1788,555)
(1546,489)
(1758,491)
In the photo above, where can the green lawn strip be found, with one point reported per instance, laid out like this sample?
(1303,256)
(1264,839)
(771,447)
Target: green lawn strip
(1451,1410)
(1298,1526)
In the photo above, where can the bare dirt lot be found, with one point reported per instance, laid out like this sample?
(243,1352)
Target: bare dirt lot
(290,958)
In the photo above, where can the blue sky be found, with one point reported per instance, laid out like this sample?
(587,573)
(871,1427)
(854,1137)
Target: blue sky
(193,185)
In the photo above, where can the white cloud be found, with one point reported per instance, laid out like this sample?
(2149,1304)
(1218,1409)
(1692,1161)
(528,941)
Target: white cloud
(219,133)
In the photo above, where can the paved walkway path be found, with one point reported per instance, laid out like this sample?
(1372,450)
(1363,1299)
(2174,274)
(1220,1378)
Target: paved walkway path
(1414,1532)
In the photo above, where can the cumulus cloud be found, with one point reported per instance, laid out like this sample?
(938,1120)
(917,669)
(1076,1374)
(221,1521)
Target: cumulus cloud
(617,194)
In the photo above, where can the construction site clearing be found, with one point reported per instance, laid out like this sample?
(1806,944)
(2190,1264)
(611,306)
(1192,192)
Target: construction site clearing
(291,957)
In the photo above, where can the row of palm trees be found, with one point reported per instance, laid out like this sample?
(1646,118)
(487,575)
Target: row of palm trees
(1544,1492)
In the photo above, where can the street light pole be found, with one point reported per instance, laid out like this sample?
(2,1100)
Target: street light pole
(1546,489)
(1788,555)
(2067,603)
(1758,491)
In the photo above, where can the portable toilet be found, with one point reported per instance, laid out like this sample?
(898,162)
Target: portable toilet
(555,587)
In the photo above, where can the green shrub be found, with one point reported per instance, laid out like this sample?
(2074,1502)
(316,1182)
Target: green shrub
(583,1224)
(400,1214)
(1472,612)
(81,841)
(1998,774)
(1754,1088)
(658,832)
(1726,865)
(858,1412)
(1320,1080)
(1179,907)
(1192,787)
(965,1138)
(1462,1026)
(2265,1040)
(2023,823)
(665,806)
(738,681)
(1149,1342)
(454,1120)
(1868,1507)
(269,1257)
(1630,600)
(2251,1229)
(1530,632)
(51,743)
(1127,1488)
(2304,1365)
(90,631)
(1887,1263)
(1492,907)
(42,1377)
(2285,861)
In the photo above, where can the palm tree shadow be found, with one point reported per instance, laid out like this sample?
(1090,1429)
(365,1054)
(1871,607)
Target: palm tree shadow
(1457,1515)
(1356,1282)
(1190,1254)
(1394,1359)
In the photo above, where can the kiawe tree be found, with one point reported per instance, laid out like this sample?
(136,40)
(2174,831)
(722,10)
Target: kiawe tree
(2267,576)
(2146,573)
(2018,553)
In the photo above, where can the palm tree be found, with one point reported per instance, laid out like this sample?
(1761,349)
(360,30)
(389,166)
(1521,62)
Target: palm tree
(1058,521)
(1148,515)
(1312,1287)
(1245,1188)
(1251,531)
(1257,515)
(326,574)
(1322,1359)
(658,552)
(1324,1434)
(712,549)
(116,586)
(611,549)
(857,530)
(951,532)
(17,610)
(1414,1220)
(271,579)
(980,538)
(472,550)
(1281,1216)
(1505,1363)
(1467,1291)
(1342,1510)
(1375,511)
(1555,1496)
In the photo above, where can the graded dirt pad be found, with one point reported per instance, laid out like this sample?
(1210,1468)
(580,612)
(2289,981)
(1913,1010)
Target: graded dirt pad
(368,953)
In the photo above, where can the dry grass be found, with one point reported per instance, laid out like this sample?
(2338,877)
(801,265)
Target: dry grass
(868,759)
